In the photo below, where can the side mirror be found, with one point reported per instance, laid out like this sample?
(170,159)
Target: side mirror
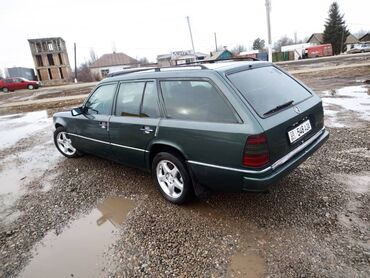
(77,111)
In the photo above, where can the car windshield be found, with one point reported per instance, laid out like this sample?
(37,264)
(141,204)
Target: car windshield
(268,88)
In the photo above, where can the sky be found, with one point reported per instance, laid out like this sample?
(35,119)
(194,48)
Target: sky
(147,28)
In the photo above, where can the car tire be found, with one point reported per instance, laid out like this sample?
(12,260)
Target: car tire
(172,178)
(30,87)
(5,90)
(64,143)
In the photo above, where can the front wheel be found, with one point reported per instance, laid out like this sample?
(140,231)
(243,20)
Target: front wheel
(172,178)
(5,90)
(30,87)
(64,143)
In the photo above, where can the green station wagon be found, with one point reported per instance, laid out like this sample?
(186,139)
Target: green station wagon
(227,126)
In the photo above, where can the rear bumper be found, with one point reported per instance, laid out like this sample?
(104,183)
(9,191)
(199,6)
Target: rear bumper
(222,178)
(271,177)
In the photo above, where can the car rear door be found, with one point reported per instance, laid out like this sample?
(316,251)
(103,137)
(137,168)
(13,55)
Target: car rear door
(134,122)
(281,105)
(89,131)
(10,84)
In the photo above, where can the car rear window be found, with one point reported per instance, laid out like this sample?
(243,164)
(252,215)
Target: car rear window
(266,88)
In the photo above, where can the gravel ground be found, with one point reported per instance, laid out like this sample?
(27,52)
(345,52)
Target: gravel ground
(313,223)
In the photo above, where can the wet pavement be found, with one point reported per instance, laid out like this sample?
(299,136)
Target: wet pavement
(78,250)
(89,217)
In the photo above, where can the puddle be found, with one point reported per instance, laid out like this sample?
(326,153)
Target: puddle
(20,169)
(78,251)
(359,183)
(246,265)
(355,99)
(16,127)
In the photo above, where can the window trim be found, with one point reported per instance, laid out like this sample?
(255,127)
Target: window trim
(96,88)
(213,84)
(142,97)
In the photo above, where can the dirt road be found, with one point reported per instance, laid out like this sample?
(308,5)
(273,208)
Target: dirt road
(89,217)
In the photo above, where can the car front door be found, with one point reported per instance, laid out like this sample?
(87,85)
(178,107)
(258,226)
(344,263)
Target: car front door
(89,131)
(19,84)
(134,122)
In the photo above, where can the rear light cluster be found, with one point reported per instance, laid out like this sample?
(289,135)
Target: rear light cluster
(256,152)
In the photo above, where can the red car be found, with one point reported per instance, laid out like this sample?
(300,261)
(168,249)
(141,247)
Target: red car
(17,83)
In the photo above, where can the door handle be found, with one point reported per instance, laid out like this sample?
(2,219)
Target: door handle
(146,129)
(103,124)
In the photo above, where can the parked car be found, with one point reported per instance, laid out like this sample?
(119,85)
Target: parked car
(17,83)
(360,48)
(231,126)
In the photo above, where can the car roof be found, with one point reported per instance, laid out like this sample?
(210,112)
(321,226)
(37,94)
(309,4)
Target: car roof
(182,71)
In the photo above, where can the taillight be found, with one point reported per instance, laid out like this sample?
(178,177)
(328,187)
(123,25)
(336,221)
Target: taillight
(256,152)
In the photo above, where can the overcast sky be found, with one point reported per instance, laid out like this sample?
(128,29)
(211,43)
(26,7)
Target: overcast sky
(146,28)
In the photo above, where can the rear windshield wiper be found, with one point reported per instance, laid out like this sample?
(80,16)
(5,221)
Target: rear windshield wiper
(279,107)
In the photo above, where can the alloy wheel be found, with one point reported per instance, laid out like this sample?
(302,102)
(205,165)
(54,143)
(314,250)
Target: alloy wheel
(65,144)
(170,179)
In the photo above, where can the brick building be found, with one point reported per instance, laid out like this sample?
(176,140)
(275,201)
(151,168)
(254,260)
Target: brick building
(51,60)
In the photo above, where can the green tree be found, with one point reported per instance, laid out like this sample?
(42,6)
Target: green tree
(258,44)
(335,31)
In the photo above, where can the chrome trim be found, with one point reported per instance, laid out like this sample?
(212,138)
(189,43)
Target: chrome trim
(273,167)
(88,138)
(128,147)
(107,143)
(296,150)
(230,168)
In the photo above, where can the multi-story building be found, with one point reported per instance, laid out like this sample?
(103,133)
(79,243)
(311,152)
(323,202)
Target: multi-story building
(51,60)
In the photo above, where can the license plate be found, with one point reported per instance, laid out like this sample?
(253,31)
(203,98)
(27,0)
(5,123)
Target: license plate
(299,131)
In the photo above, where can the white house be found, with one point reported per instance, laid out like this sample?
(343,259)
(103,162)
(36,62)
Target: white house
(112,62)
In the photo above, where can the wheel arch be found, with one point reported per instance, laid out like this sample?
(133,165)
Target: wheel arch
(158,147)
(59,122)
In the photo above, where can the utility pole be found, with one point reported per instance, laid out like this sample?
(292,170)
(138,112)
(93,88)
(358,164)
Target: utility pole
(268,10)
(75,63)
(342,41)
(216,42)
(191,38)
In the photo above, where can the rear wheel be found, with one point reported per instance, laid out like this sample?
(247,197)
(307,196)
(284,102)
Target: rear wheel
(30,87)
(5,90)
(64,143)
(172,178)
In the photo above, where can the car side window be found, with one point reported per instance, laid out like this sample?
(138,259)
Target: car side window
(195,101)
(9,80)
(100,102)
(137,99)
(129,99)
(149,107)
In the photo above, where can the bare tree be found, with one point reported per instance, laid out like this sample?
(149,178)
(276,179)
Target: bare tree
(238,48)
(93,56)
(143,61)
(84,73)
(284,40)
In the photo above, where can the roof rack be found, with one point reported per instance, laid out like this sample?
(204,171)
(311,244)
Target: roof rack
(127,71)
(133,70)
(230,59)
